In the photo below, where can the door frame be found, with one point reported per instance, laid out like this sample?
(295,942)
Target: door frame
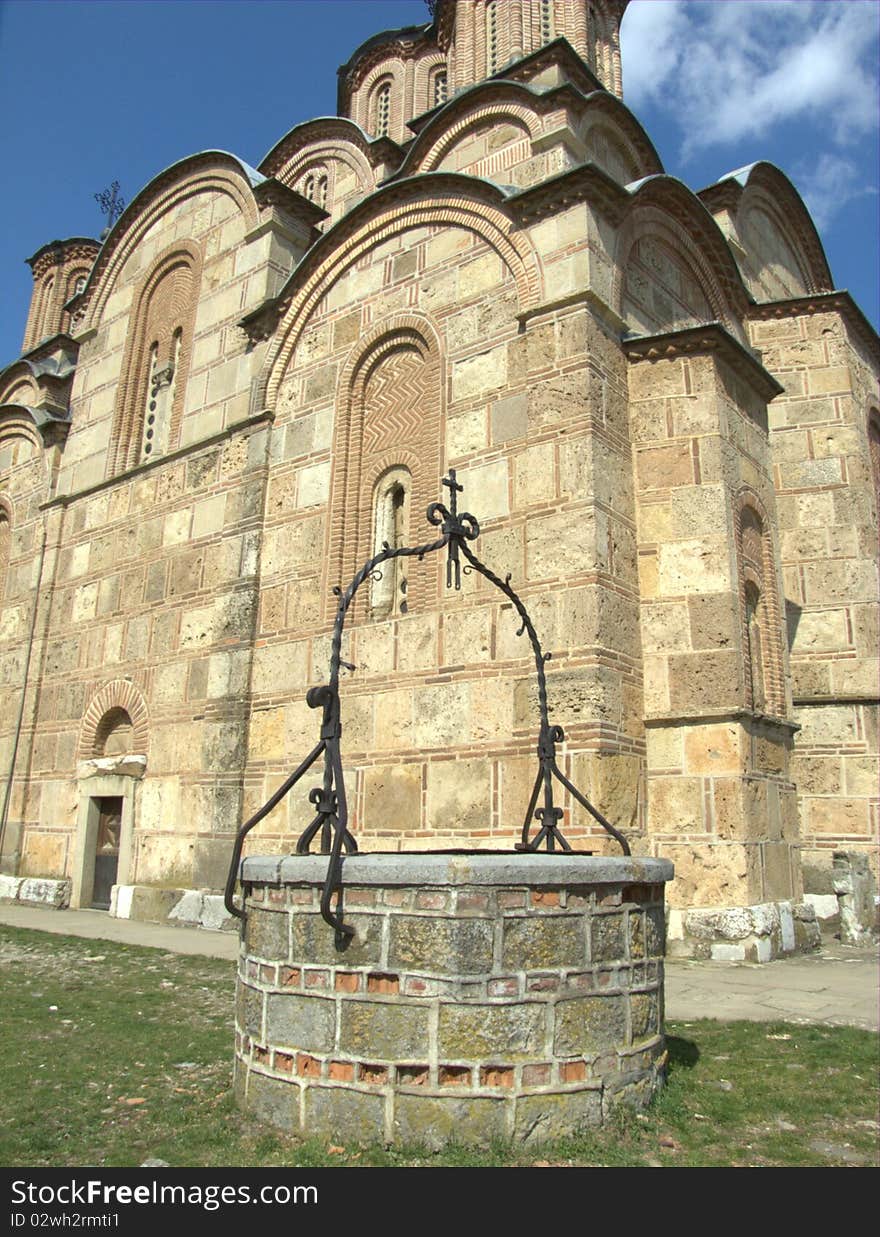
(100,785)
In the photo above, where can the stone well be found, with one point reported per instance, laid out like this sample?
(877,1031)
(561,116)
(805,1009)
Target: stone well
(483,995)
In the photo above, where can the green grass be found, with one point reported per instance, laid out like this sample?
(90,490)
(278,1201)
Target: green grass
(134,1062)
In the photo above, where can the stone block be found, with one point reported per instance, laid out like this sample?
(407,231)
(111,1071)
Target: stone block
(508,1033)
(314,942)
(441,946)
(343,1115)
(391,1031)
(267,935)
(607,938)
(458,794)
(44,892)
(303,1022)
(694,566)
(442,1120)
(541,942)
(249,1010)
(644,1015)
(548,1117)
(214,916)
(393,797)
(273,1100)
(9,887)
(587,1025)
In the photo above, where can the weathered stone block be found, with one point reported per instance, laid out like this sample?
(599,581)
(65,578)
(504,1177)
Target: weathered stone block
(644,1015)
(267,935)
(544,1118)
(540,942)
(437,1122)
(383,1031)
(587,1025)
(510,1032)
(306,1022)
(343,1114)
(249,1010)
(607,938)
(274,1100)
(442,946)
(314,941)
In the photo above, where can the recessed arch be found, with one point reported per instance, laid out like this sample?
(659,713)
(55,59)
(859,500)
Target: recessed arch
(119,696)
(441,199)
(760,611)
(389,415)
(665,208)
(213,172)
(156,358)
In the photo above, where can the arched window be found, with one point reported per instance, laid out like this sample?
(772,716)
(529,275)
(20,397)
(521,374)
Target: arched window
(382,110)
(44,321)
(150,402)
(391,499)
(546,20)
(492,57)
(754,652)
(309,188)
(440,88)
(761,621)
(80,284)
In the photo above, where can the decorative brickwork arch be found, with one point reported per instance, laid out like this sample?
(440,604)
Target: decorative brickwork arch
(17,433)
(200,174)
(390,74)
(764,187)
(492,103)
(663,204)
(760,610)
(654,224)
(389,416)
(19,387)
(330,137)
(120,695)
(400,207)
(427,71)
(156,361)
(606,113)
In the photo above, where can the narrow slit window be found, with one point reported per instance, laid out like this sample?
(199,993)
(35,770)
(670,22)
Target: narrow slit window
(391,520)
(383,110)
(440,88)
(546,20)
(492,36)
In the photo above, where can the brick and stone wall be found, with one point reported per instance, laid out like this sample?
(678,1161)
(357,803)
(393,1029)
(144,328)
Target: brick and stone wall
(482,995)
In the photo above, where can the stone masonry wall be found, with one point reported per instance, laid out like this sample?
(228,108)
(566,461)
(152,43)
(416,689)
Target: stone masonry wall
(720,799)
(829,538)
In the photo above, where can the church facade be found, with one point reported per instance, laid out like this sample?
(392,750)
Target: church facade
(663,414)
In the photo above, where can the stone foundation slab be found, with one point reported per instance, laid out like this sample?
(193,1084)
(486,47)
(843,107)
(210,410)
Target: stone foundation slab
(759,933)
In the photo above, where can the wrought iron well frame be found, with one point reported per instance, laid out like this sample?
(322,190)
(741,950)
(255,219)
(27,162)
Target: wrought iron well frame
(329,799)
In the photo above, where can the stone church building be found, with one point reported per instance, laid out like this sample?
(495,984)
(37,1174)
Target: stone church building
(662,412)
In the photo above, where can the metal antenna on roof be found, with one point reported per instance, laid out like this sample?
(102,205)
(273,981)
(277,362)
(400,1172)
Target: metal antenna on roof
(112,204)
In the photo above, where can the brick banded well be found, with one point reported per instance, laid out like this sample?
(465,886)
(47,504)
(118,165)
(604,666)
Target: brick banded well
(482,996)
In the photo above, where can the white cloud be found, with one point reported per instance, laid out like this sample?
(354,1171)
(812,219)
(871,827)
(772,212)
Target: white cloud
(828,184)
(730,69)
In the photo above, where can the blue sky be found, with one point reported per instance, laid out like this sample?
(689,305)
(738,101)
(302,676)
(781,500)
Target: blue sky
(97,90)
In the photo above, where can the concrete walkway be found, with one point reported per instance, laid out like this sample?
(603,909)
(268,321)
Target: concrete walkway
(838,986)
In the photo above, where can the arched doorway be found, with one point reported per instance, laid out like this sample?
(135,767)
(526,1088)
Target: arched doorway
(112,747)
